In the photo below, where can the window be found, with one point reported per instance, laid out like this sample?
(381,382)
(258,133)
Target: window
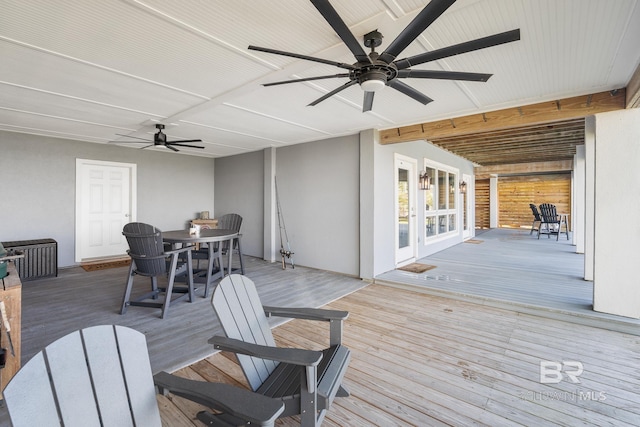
(440,201)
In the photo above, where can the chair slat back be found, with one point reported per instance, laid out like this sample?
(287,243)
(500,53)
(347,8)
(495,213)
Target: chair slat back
(230,221)
(237,305)
(536,213)
(549,213)
(97,376)
(146,248)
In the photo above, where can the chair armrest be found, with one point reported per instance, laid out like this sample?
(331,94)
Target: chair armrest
(294,356)
(240,403)
(306,313)
(334,317)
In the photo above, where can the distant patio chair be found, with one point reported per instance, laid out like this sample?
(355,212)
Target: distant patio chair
(551,221)
(101,376)
(536,218)
(149,258)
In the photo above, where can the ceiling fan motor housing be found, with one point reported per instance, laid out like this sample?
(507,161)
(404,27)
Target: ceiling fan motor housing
(376,71)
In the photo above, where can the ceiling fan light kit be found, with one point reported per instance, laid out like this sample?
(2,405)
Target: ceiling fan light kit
(372,83)
(374,71)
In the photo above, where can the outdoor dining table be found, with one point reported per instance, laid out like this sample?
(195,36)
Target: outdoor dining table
(209,236)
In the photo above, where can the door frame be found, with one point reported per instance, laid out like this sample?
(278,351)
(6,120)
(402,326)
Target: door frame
(467,234)
(412,167)
(133,185)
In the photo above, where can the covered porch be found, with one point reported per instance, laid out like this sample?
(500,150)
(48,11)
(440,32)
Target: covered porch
(509,268)
(459,344)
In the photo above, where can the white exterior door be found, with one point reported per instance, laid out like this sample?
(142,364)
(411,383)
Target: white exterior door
(105,202)
(406,186)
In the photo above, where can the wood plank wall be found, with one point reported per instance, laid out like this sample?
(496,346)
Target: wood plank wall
(516,192)
(482,203)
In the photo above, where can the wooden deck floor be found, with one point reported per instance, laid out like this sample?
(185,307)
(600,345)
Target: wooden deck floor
(425,360)
(511,269)
(419,358)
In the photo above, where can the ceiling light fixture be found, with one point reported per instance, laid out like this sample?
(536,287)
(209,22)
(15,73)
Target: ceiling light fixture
(372,85)
(373,80)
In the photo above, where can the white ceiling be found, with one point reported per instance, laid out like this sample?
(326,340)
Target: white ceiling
(88,70)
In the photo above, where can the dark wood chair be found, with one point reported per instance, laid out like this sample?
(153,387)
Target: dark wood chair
(101,376)
(551,222)
(536,218)
(150,259)
(306,381)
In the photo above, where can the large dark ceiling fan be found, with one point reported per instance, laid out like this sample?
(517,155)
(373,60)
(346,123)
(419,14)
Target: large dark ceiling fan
(160,138)
(377,70)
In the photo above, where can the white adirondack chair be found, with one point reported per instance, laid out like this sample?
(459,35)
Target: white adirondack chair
(101,376)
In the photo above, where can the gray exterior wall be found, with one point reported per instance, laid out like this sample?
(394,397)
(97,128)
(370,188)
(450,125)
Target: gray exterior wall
(38,195)
(239,189)
(378,200)
(336,195)
(318,187)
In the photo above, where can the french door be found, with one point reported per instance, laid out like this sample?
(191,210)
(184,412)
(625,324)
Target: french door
(405,209)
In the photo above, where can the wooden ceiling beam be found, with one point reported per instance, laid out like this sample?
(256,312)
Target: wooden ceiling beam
(544,112)
(485,172)
(566,126)
(481,142)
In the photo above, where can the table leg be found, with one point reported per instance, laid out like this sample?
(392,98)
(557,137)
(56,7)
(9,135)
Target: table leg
(240,255)
(230,256)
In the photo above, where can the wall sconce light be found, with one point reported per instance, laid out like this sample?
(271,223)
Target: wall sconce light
(463,187)
(424,182)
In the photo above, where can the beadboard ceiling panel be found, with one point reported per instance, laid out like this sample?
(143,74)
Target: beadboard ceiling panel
(88,70)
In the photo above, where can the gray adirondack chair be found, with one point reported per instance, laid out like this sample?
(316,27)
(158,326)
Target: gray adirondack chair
(101,376)
(550,221)
(306,381)
(536,218)
(149,258)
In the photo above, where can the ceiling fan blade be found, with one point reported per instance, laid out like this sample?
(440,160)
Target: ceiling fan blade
(180,141)
(179,144)
(131,136)
(445,75)
(333,92)
(142,141)
(171,148)
(367,104)
(147,146)
(409,91)
(470,46)
(338,25)
(430,13)
(305,57)
(306,79)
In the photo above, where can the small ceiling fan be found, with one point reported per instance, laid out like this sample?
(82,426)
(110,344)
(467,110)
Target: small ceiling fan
(160,138)
(377,70)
